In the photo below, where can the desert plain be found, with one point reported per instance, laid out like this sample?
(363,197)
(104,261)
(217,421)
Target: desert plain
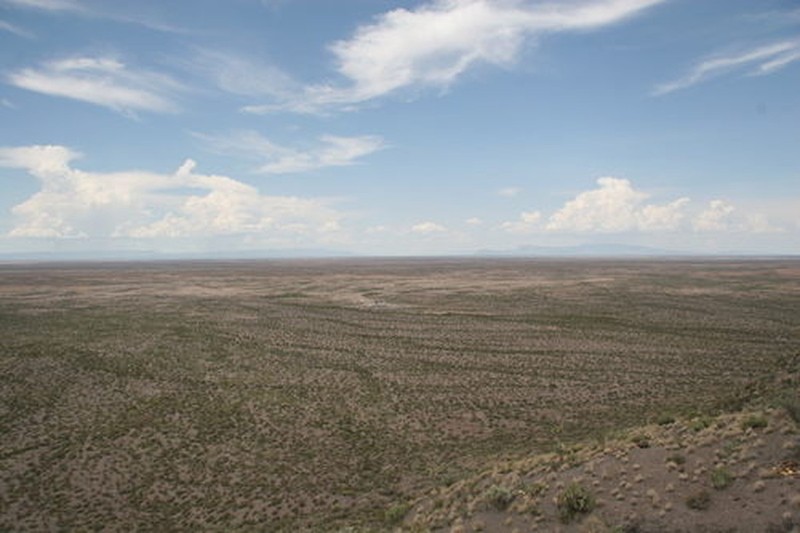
(355,394)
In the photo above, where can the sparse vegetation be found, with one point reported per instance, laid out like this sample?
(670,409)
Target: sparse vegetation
(499,497)
(699,501)
(700,423)
(792,407)
(303,395)
(676,458)
(395,514)
(665,419)
(721,478)
(754,422)
(573,501)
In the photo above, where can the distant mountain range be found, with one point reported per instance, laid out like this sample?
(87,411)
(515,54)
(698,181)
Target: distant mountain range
(609,250)
(585,250)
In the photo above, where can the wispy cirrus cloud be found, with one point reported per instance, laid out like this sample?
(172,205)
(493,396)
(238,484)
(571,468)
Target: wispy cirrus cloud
(238,74)
(435,44)
(762,60)
(101,81)
(48,5)
(272,158)
(16,30)
(122,12)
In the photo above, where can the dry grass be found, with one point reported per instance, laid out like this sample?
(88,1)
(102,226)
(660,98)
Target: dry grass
(319,394)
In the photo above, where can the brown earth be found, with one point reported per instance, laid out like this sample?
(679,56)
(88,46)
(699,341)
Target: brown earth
(702,475)
(318,395)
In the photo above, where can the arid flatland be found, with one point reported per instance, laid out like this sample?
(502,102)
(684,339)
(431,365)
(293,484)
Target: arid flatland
(317,394)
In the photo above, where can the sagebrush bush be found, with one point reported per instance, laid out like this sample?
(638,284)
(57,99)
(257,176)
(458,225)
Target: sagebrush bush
(499,497)
(396,513)
(754,422)
(665,420)
(721,478)
(574,500)
(699,501)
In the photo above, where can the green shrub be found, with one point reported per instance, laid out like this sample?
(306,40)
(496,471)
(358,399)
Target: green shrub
(642,441)
(574,500)
(721,478)
(676,458)
(699,501)
(665,420)
(396,513)
(754,422)
(499,497)
(700,423)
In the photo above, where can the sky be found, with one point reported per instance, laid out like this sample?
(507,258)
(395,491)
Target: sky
(382,127)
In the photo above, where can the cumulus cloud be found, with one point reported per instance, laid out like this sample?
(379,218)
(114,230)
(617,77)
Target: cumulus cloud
(428,228)
(101,81)
(762,60)
(528,222)
(436,43)
(473,221)
(615,206)
(330,151)
(138,204)
(716,217)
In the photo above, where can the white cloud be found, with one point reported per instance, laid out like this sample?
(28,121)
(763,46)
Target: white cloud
(615,206)
(473,221)
(16,30)
(528,222)
(244,76)
(124,12)
(433,45)
(509,192)
(331,151)
(716,217)
(767,60)
(48,5)
(428,228)
(101,81)
(138,204)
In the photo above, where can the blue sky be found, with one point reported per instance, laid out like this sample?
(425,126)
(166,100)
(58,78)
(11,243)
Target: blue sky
(399,127)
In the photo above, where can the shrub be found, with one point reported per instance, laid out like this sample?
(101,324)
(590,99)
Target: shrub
(574,500)
(700,423)
(721,478)
(754,422)
(676,458)
(665,420)
(793,408)
(499,497)
(699,501)
(396,513)
(642,441)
